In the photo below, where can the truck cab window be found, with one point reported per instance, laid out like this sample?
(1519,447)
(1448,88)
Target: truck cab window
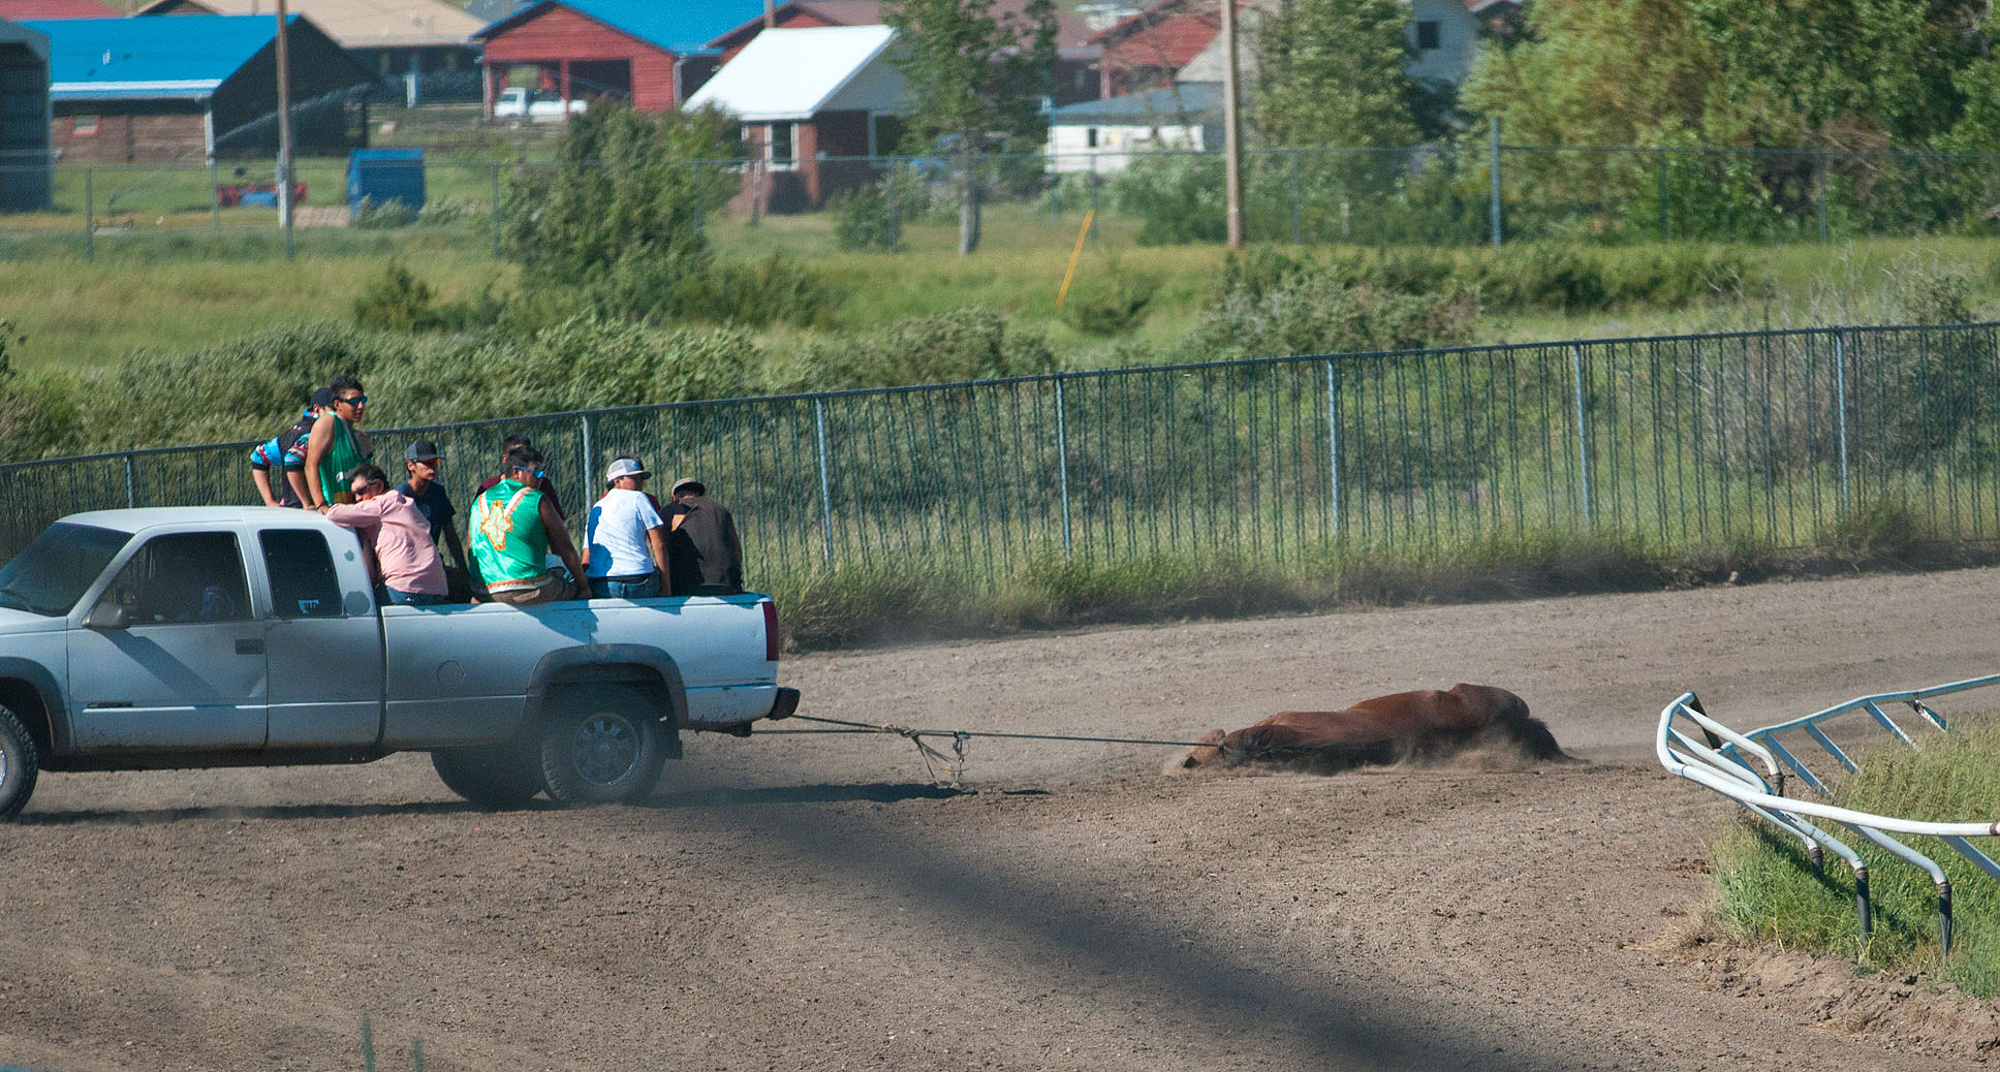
(303,583)
(183,577)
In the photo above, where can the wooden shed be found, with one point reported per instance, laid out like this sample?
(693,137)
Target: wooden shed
(648,52)
(195,87)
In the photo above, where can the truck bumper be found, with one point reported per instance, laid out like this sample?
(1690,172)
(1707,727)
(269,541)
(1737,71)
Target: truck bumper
(784,705)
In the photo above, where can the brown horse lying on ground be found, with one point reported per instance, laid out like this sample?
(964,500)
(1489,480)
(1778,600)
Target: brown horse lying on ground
(1408,725)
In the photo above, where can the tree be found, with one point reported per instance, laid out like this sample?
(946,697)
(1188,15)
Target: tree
(625,196)
(1331,73)
(974,79)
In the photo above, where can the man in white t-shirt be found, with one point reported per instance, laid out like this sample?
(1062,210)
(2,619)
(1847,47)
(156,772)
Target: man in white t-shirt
(625,552)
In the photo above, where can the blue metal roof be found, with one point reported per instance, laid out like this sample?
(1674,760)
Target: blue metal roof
(1196,98)
(680,26)
(182,56)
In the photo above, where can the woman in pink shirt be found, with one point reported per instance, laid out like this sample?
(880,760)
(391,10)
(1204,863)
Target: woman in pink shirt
(406,559)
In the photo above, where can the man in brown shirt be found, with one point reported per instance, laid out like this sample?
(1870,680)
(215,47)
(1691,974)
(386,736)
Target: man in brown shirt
(703,552)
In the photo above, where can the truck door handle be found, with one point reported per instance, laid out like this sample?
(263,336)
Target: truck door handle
(249,646)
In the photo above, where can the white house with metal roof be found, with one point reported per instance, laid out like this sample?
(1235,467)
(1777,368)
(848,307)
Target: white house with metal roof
(816,106)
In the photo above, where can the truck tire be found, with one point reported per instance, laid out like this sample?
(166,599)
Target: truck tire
(496,777)
(601,744)
(20,763)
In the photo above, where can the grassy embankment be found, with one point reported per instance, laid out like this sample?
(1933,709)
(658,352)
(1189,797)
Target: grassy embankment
(1769,893)
(190,288)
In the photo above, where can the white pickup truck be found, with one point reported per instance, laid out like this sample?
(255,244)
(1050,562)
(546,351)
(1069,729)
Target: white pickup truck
(251,636)
(518,103)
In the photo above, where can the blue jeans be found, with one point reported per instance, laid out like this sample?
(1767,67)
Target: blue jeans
(413,599)
(606,588)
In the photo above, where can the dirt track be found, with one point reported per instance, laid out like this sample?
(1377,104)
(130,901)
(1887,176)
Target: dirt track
(807,902)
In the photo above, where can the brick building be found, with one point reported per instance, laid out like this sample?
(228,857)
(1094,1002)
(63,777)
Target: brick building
(814,104)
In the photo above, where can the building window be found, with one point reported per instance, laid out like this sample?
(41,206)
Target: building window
(83,125)
(781,145)
(1427,35)
(1090,137)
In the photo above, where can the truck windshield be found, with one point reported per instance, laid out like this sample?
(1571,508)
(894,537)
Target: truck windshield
(51,574)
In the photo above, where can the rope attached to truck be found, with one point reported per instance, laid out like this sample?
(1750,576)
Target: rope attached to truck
(954,764)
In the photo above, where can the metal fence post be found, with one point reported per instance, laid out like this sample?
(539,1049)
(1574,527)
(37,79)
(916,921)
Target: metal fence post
(89,218)
(1840,408)
(588,453)
(1582,433)
(1093,198)
(1493,207)
(496,212)
(1062,460)
(825,484)
(1333,443)
(215,195)
(131,484)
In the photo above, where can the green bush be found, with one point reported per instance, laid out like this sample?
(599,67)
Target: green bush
(775,290)
(1313,309)
(970,344)
(1110,306)
(863,221)
(397,301)
(373,215)
(1178,198)
(581,363)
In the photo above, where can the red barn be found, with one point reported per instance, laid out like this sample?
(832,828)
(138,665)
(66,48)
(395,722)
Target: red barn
(648,52)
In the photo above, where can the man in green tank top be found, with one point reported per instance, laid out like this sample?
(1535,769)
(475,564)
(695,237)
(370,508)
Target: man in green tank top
(513,528)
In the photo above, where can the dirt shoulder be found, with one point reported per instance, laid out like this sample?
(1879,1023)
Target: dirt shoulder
(808,902)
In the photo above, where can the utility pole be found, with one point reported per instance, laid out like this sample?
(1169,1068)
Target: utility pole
(284,131)
(1232,140)
(770,14)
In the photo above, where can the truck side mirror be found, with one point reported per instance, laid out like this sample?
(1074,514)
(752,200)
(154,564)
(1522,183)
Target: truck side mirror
(108,616)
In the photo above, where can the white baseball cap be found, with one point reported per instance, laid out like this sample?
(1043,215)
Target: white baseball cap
(624,467)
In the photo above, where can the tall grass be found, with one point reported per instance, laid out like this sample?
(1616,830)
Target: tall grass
(1770,893)
(916,598)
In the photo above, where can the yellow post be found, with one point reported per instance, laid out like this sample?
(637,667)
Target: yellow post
(1073,255)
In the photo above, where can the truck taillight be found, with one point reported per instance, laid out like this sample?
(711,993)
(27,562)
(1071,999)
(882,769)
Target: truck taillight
(770,631)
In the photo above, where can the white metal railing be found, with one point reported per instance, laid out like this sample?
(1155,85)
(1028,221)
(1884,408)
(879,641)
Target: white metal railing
(1750,768)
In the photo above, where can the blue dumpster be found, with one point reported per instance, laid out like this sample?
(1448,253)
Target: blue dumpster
(385,175)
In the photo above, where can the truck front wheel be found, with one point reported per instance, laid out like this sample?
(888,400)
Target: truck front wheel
(601,744)
(20,762)
(492,776)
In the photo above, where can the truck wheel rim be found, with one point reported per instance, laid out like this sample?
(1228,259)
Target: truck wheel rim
(605,749)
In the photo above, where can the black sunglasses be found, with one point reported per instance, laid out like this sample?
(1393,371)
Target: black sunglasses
(357,400)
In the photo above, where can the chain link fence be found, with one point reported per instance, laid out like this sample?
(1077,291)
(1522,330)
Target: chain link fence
(1429,195)
(1768,438)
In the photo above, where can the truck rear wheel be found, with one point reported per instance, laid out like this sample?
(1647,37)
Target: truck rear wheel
(492,776)
(601,744)
(20,763)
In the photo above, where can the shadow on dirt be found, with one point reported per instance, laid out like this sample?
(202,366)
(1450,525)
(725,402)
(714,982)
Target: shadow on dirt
(147,817)
(868,793)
